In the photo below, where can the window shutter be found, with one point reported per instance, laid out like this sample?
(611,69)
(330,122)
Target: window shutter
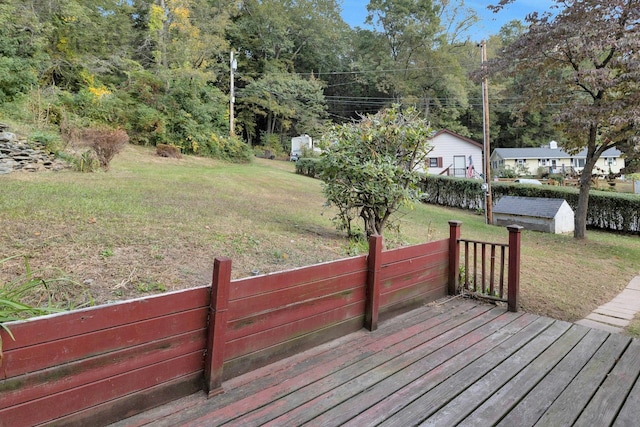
(439,162)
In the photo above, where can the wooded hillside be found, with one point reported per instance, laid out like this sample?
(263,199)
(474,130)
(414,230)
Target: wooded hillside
(160,69)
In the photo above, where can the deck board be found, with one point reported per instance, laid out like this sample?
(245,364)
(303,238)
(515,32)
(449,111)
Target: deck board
(604,406)
(441,409)
(461,361)
(544,393)
(407,379)
(428,380)
(306,390)
(573,399)
(434,351)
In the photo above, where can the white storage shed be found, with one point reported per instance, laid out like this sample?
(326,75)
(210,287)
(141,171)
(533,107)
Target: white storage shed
(534,213)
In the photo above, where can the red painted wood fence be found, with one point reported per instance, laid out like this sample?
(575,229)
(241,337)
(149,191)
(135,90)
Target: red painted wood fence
(488,270)
(102,364)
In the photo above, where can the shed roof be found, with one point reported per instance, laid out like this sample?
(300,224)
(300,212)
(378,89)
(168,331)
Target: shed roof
(529,206)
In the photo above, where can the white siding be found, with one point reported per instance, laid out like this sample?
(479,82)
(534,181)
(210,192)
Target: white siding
(564,220)
(446,146)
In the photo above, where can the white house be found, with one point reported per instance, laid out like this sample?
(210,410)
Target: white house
(454,155)
(527,161)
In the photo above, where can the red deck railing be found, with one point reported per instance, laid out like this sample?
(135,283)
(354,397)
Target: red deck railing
(487,268)
(97,365)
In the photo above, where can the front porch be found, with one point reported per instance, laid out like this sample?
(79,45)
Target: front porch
(455,361)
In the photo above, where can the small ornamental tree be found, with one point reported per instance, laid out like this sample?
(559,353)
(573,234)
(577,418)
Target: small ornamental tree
(585,64)
(369,167)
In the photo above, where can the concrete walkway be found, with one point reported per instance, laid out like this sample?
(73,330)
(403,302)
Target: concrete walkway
(615,315)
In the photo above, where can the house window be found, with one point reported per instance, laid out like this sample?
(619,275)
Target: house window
(543,162)
(521,162)
(435,162)
(578,163)
(610,161)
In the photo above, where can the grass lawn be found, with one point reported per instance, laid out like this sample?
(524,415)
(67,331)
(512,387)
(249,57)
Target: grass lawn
(153,224)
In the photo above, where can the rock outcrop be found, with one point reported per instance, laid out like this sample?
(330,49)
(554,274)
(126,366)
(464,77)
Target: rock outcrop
(16,154)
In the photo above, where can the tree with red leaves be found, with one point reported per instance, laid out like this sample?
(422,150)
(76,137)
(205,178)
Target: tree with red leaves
(585,61)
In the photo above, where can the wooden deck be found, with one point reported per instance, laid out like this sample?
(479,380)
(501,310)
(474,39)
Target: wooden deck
(459,362)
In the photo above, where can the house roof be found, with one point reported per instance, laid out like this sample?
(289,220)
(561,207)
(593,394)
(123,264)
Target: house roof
(539,207)
(463,138)
(546,153)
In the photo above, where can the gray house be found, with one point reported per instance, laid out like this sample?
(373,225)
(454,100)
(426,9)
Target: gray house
(534,213)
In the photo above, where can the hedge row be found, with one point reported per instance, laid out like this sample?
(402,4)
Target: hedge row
(308,166)
(607,210)
(453,192)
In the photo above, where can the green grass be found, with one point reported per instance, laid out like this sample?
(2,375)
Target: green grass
(152,220)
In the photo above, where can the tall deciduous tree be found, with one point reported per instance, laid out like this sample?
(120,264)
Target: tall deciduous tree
(21,42)
(586,60)
(413,55)
(281,44)
(285,102)
(406,30)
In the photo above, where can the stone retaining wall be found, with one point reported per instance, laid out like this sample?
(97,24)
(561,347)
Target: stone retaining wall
(16,154)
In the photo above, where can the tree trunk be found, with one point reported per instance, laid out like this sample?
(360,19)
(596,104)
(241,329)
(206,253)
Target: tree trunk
(269,122)
(370,222)
(580,219)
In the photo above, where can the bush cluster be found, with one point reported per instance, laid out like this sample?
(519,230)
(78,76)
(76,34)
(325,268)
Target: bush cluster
(180,109)
(232,149)
(166,150)
(308,166)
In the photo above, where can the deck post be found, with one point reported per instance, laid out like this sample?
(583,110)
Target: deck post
(513,283)
(374,263)
(454,255)
(218,306)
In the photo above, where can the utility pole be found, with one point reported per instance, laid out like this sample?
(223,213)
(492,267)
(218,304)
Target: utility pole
(232,95)
(488,200)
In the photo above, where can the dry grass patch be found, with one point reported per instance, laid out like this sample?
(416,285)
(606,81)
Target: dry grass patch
(155,224)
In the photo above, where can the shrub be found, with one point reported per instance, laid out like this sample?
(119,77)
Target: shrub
(48,139)
(227,148)
(105,142)
(308,166)
(309,153)
(453,192)
(165,150)
(506,172)
(85,161)
(369,167)
(147,126)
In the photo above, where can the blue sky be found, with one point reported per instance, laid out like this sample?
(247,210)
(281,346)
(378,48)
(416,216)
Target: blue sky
(355,11)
